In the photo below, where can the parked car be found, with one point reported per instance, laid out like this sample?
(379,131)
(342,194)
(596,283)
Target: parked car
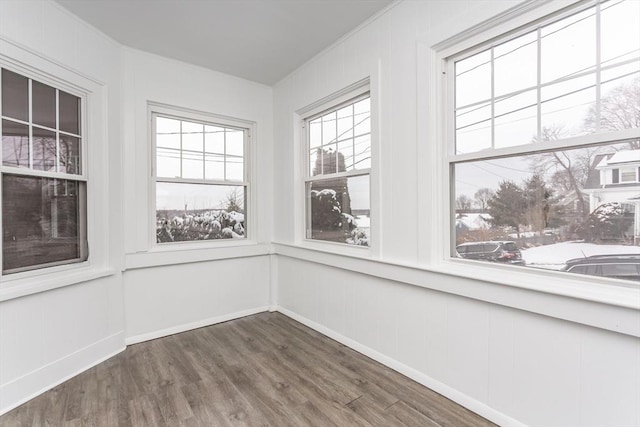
(619,266)
(495,251)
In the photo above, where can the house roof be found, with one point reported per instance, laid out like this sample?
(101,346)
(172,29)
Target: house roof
(620,157)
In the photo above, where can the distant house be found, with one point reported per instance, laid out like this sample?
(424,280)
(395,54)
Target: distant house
(616,178)
(472,221)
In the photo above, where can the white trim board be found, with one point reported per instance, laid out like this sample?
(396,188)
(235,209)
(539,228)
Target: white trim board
(135,339)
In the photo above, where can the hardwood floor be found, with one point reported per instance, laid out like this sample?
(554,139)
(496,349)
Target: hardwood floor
(261,370)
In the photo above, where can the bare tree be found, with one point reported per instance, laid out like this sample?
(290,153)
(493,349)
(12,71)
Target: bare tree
(571,167)
(482,197)
(619,109)
(463,203)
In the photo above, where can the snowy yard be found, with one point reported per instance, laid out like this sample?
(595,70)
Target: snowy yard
(554,256)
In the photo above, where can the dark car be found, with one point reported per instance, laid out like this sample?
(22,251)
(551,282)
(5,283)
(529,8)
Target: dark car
(618,266)
(495,251)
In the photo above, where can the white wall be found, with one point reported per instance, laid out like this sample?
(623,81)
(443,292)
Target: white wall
(517,356)
(46,337)
(165,290)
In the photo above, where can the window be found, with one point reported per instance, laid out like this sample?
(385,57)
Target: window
(201,177)
(44,184)
(338,164)
(628,175)
(539,117)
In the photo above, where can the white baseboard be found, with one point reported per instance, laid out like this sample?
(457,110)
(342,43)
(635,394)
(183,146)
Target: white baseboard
(193,325)
(20,390)
(468,402)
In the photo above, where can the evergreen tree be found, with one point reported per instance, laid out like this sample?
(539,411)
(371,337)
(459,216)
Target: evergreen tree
(507,206)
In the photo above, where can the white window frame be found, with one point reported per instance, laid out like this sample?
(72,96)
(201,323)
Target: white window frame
(179,113)
(95,172)
(435,101)
(351,94)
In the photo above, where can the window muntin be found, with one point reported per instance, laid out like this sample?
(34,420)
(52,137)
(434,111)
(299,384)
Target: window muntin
(201,188)
(536,116)
(337,184)
(44,199)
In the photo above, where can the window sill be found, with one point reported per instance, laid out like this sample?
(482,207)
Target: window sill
(45,281)
(593,301)
(184,253)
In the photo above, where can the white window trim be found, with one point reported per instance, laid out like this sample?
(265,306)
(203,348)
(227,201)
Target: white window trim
(95,171)
(301,152)
(192,250)
(434,103)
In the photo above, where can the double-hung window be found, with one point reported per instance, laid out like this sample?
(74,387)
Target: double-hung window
(201,176)
(543,138)
(44,182)
(337,172)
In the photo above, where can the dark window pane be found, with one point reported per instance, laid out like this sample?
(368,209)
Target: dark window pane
(15,144)
(69,154)
(69,113)
(340,210)
(44,149)
(15,96)
(190,212)
(42,222)
(44,104)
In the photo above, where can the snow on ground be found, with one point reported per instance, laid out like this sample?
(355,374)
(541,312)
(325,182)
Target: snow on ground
(555,256)
(363,221)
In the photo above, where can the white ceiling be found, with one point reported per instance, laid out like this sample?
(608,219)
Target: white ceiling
(259,40)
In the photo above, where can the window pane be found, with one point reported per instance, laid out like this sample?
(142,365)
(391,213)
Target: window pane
(168,163)
(620,31)
(555,207)
(190,212)
(43,222)
(192,165)
(44,149)
(235,142)
(315,133)
(329,128)
(516,64)
(192,136)
(620,99)
(339,210)
(567,46)
(15,144)
(214,166)
(214,139)
(362,154)
(15,96)
(44,104)
(235,169)
(566,106)
(473,79)
(328,161)
(345,148)
(70,154)
(516,121)
(167,133)
(362,117)
(69,113)
(474,137)
(345,122)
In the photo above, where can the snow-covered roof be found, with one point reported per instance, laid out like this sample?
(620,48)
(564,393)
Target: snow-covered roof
(473,221)
(629,156)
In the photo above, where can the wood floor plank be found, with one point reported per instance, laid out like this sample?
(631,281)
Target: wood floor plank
(265,370)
